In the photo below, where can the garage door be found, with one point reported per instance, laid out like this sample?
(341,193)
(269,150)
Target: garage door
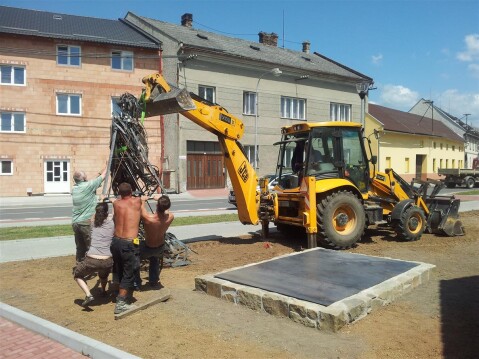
(205,171)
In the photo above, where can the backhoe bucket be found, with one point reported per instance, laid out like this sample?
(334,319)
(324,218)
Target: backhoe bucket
(174,101)
(444,214)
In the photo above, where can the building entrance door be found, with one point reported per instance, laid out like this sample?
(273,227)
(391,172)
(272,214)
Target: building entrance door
(205,171)
(421,172)
(56,176)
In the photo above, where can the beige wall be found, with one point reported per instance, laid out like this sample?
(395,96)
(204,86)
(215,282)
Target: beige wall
(395,149)
(230,83)
(82,140)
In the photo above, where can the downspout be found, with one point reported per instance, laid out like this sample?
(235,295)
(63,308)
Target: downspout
(162,122)
(178,148)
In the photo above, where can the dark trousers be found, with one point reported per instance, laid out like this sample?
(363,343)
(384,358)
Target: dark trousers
(82,231)
(155,256)
(126,261)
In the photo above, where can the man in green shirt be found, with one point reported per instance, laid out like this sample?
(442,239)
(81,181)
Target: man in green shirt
(84,203)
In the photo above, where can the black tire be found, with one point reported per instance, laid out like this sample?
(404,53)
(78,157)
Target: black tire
(341,220)
(450,185)
(411,225)
(470,183)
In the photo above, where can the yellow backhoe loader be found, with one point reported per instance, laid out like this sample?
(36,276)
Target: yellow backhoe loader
(325,186)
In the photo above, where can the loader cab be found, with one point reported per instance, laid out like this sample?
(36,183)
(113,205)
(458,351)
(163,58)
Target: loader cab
(324,150)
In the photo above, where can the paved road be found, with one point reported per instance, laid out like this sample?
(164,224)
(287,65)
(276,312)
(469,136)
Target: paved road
(38,211)
(53,210)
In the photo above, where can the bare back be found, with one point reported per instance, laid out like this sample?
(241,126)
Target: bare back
(156,225)
(127,217)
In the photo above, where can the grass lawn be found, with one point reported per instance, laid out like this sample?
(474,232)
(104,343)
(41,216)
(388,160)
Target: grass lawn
(11,233)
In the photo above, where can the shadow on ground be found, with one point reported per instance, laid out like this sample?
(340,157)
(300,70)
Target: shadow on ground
(460,317)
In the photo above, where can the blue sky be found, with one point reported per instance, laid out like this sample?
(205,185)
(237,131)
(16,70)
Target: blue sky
(412,49)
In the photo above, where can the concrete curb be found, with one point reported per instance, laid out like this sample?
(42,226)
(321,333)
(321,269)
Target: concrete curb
(75,341)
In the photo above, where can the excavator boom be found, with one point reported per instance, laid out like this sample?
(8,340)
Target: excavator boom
(161,98)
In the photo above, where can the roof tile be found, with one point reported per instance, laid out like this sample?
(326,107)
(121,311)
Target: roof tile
(255,51)
(62,26)
(408,123)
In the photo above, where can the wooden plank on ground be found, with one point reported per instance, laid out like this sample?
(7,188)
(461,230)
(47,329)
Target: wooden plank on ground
(161,295)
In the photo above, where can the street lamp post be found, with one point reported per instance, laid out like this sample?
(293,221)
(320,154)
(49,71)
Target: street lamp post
(362,88)
(276,72)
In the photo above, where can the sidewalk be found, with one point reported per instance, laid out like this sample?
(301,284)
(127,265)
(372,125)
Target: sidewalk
(66,199)
(36,248)
(27,336)
(18,342)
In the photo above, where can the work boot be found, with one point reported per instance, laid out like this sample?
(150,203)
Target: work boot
(122,305)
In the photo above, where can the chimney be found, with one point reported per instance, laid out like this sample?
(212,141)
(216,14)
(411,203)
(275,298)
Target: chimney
(187,20)
(268,39)
(306,46)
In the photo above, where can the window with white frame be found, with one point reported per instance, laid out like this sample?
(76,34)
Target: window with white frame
(68,55)
(340,112)
(293,108)
(207,92)
(12,122)
(12,75)
(122,60)
(249,150)
(249,103)
(6,167)
(68,104)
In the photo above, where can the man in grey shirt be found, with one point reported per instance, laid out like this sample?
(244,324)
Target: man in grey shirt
(84,203)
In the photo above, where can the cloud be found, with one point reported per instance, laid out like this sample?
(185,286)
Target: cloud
(471,54)
(457,104)
(398,97)
(472,49)
(474,70)
(452,101)
(377,59)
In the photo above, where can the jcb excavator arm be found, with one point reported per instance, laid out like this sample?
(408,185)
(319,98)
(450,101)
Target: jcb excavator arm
(161,98)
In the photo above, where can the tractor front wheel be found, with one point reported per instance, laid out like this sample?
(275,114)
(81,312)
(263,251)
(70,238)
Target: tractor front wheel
(411,225)
(341,219)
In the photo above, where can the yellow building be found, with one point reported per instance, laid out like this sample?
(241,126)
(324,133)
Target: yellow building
(414,146)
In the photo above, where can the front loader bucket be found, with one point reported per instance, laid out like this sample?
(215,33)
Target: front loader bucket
(174,101)
(444,216)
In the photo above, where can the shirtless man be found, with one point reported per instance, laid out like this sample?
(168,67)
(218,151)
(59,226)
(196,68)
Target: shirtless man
(155,225)
(125,244)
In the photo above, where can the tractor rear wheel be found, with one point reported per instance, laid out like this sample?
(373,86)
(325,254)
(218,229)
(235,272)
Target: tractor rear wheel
(411,225)
(341,219)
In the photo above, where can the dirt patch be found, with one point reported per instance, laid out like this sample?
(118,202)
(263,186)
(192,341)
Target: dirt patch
(438,319)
